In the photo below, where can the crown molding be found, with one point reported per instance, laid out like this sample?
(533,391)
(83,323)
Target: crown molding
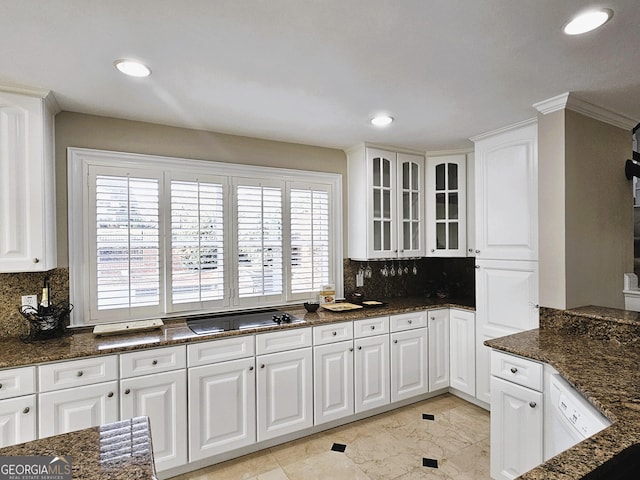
(524,123)
(46,95)
(570,101)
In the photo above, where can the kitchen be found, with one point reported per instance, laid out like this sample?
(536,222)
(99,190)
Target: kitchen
(558,137)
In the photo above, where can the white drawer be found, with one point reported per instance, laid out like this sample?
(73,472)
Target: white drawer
(222,350)
(156,360)
(17,381)
(75,373)
(370,326)
(516,369)
(283,340)
(333,332)
(408,321)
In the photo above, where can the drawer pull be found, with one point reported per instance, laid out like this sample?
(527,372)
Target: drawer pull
(514,370)
(80,373)
(127,391)
(532,404)
(155,362)
(334,333)
(26,410)
(110,394)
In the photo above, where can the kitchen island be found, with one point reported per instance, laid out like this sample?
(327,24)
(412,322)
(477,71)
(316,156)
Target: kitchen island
(598,351)
(119,450)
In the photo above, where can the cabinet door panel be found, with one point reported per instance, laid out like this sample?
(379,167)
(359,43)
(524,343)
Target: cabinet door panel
(438,349)
(17,420)
(462,355)
(516,429)
(284,393)
(163,398)
(73,409)
(333,381)
(409,364)
(372,379)
(222,409)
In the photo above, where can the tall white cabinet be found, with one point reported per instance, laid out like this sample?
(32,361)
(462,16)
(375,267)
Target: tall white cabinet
(27,203)
(386,203)
(506,240)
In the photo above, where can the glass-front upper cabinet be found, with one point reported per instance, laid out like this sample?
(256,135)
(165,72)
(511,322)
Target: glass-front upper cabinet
(446,206)
(386,204)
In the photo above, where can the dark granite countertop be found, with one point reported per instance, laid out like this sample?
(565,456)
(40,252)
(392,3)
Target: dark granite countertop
(120,450)
(598,351)
(15,353)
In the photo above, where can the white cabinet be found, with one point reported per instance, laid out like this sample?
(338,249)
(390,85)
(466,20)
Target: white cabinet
(77,394)
(372,380)
(446,206)
(462,359)
(409,364)
(438,349)
(386,212)
(506,303)
(17,406)
(161,396)
(71,409)
(27,203)
(506,194)
(284,392)
(222,407)
(333,381)
(516,416)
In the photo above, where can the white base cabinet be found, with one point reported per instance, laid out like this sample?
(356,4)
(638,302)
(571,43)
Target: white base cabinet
(333,381)
(161,397)
(71,409)
(409,364)
(222,409)
(438,349)
(372,379)
(284,393)
(17,420)
(462,361)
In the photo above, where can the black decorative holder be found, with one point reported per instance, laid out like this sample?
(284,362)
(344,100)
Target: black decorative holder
(51,324)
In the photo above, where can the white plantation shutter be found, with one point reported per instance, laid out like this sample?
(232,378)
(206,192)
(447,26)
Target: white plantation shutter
(259,240)
(197,242)
(310,239)
(126,260)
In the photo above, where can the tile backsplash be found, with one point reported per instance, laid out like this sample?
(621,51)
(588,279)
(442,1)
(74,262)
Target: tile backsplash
(14,285)
(450,277)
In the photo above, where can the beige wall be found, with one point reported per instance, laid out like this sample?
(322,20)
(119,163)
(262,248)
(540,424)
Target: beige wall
(105,133)
(585,211)
(551,207)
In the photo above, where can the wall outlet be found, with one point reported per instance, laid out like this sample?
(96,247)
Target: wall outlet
(31,300)
(359,279)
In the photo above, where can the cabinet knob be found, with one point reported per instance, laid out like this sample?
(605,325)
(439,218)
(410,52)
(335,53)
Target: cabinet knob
(36,260)
(262,366)
(471,250)
(477,266)
(155,362)
(373,327)
(251,368)
(351,349)
(127,391)
(432,250)
(477,251)
(433,318)
(410,321)
(514,369)
(334,333)
(110,394)
(80,373)
(360,347)
(26,410)
(532,404)
(395,341)
(0,385)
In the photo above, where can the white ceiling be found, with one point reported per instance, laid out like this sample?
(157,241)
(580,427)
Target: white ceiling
(314,71)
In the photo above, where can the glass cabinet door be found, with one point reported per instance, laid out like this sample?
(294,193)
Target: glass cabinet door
(410,186)
(446,205)
(382,203)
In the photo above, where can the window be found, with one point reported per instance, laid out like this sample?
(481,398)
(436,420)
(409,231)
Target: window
(153,236)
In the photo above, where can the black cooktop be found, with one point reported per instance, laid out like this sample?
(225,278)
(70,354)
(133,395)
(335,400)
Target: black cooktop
(206,324)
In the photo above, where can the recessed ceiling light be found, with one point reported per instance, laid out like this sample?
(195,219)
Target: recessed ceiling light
(132,68)
(381,120)
(588,21)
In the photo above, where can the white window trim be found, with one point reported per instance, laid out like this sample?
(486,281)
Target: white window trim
(79,160)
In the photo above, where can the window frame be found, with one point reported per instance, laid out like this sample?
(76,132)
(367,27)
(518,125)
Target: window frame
(81,160)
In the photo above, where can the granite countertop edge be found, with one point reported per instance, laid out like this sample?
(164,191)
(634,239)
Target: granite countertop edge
(600,369)
(176,332)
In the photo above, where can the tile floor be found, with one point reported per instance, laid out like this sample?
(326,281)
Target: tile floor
(392,445)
